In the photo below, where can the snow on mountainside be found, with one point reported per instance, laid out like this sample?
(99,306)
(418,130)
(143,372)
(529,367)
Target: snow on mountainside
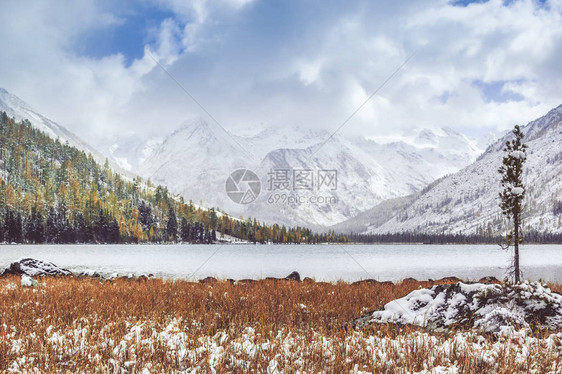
(20,110)
(196,160)
(467,201)
(129,151)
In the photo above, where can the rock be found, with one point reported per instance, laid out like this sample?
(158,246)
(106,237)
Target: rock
(308,280)
(493,308)
(370,282)
(208,280)
(35,268)
(449,279)
(27,281)
(294,276)
(489,280)
(409,280)
(90,274)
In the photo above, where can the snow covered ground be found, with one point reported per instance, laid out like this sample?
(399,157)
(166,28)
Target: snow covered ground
(129,326)
(283,352)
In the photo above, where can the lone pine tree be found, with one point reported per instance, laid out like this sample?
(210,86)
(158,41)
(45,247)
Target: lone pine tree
(513,192)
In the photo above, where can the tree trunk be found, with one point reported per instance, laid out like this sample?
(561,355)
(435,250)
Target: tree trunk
(516,248)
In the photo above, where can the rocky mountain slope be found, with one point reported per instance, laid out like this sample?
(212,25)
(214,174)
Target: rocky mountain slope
(467,201)
(20,110)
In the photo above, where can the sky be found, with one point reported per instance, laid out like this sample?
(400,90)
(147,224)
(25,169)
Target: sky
(478,67)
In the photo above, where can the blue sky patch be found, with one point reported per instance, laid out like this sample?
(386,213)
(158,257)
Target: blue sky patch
(494,91)
(127,38)
(467,2)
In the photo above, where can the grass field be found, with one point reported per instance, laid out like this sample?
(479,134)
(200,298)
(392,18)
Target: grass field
(144,326)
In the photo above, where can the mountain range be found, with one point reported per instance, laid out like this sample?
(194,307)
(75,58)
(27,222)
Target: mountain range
(196,159)
(468,201)
(430,181)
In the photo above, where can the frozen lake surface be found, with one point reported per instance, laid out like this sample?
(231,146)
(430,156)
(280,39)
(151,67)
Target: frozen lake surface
(321,262)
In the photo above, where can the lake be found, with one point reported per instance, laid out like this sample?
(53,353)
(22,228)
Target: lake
(321,262)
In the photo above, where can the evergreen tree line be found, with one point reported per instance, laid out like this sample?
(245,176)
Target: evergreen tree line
(533,237)
(57,228)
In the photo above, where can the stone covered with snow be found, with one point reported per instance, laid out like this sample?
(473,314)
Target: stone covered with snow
(487,307)
(34,268)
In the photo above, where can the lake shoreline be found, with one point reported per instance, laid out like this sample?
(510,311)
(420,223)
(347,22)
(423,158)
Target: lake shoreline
(330,263)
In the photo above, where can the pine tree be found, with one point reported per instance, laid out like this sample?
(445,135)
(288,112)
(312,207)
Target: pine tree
(185,231)
(172,226)
(113,232)
(82,232)
(513,193)
(101,230)
(51,229)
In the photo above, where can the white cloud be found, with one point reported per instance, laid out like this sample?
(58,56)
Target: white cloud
(309,71)
(291,68)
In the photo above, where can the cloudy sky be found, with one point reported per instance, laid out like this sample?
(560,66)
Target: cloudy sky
(478,67)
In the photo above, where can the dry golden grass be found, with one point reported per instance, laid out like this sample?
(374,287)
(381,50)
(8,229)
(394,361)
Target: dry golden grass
(84,325)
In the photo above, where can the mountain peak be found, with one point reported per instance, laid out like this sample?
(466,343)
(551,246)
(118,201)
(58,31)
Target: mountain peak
(20,110)
(201,124)
(13,105)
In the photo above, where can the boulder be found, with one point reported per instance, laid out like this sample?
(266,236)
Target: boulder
(448,279)
(90,274)
(489,279)
(33,268)
(370,282)
(294,276)
(409,280)
(208,280)
(492,308)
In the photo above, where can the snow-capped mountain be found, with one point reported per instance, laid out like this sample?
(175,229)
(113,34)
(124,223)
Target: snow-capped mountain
(467,201)
(196,160)
(129,151)
(20,110)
